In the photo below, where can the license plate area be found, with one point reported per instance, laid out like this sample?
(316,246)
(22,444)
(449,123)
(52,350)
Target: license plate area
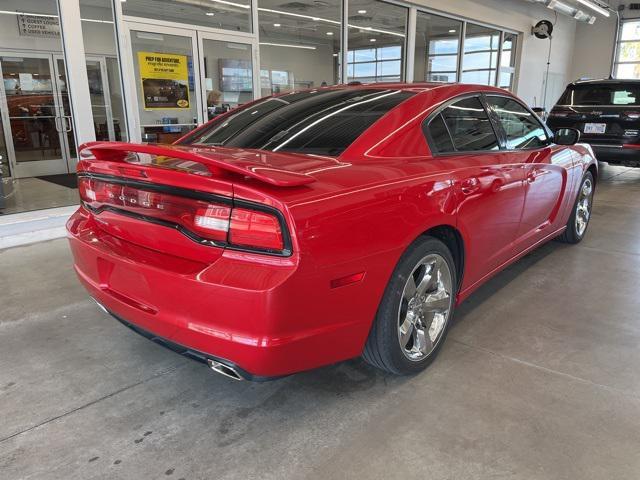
(595,128)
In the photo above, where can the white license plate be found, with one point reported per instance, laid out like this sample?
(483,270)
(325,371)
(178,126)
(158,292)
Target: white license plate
(595,127)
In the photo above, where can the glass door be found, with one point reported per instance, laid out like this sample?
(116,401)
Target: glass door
(227,67)
(34,120)
(64,105)
(167,81)
(100,99)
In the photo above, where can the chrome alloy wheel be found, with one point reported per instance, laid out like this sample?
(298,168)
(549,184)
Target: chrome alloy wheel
(425,307)
(583,210)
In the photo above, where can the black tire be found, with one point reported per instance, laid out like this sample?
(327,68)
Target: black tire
(572,234)
(383,349)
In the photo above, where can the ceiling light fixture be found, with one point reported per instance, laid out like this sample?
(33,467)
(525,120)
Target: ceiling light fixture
(452,30)
(209,14)
(276,24)
(372,39)
(595,7)
(305,47)
(329,33)
(562,7)
(326,20)
(362,12)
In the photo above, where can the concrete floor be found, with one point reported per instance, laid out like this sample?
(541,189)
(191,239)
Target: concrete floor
(539,379)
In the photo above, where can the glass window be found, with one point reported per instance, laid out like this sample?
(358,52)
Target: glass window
(103,71)
(228,72)
(228,15)
(481,46)
(167,98)
(628,60)
(522,128)
(437,44)
(439,138)
(508,61)
(299,47)
(377,35)
(469,125)
(322,122)
(601,94)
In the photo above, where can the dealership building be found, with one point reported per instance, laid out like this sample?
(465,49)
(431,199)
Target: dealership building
(151,70)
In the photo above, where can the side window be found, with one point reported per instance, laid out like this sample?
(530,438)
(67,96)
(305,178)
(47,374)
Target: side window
(440,140)
(469,126)
(523,129)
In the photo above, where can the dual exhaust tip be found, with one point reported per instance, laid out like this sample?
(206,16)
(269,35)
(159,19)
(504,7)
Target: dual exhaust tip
(223,369)
(214,365)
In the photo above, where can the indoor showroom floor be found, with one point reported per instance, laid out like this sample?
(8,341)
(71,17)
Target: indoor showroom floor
(539,379)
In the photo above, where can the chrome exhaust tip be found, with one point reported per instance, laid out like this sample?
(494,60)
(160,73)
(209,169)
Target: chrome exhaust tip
(223,369)
(102,307)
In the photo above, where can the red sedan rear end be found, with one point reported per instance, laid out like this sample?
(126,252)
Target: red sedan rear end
(268,241)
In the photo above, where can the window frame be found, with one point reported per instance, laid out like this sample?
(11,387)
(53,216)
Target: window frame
(496,124)
(619,42)
(503,132)
(426,123)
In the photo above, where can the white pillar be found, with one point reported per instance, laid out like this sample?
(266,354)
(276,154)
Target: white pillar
(77,79)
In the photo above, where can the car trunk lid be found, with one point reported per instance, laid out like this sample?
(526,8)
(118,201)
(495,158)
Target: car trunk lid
(180,200)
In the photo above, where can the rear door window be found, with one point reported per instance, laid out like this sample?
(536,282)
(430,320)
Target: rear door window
(469,126)
(600,94)
(522,128)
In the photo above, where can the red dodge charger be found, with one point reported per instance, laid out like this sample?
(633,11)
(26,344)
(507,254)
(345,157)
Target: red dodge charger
(316,226)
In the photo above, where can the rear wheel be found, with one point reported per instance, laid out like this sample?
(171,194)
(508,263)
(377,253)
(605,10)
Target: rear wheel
(581,214)
(415,311)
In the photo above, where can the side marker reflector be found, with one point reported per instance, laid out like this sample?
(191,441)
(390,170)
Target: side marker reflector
(348,280)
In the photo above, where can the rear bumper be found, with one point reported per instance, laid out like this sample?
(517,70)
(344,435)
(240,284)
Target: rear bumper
(617,154)
(200,357)
(263,319)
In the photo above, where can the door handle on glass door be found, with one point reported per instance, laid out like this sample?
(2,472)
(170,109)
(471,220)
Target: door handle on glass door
(470,185)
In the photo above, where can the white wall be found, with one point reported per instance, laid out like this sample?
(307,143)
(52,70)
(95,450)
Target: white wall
(594,49)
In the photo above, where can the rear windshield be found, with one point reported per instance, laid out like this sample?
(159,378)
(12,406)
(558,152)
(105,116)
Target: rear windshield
(595,94)
(321,122)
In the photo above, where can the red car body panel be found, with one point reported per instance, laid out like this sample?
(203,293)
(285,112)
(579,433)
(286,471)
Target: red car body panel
(350,219)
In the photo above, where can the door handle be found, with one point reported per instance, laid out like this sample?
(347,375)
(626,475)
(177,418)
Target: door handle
(533,175)
(56,121)
(470,185)
(68,124)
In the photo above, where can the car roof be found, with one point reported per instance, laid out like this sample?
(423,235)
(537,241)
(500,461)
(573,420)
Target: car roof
(418,86)
(606,81)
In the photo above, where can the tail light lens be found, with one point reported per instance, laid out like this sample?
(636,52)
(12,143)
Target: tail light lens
(217,222)
(631,115)
(560,112)
(252,228)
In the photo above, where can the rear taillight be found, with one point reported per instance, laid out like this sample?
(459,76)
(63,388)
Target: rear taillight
(560,112)
(631,115)
(220,223)
(258,229)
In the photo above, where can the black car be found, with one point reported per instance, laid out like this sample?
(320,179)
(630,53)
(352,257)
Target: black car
(607,113)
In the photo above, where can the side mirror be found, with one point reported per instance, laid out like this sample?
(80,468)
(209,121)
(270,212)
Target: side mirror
(566,136)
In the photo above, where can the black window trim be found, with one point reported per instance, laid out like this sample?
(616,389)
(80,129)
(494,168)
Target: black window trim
(427,131)
(500,127)
(496,125)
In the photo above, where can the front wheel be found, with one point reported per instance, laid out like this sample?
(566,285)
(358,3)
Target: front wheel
(415,311)
(581,214)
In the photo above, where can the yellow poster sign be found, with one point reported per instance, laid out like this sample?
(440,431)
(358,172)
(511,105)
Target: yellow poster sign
(165,80)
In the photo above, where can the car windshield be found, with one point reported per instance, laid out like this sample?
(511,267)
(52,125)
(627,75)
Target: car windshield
(601,94)
(321,122)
